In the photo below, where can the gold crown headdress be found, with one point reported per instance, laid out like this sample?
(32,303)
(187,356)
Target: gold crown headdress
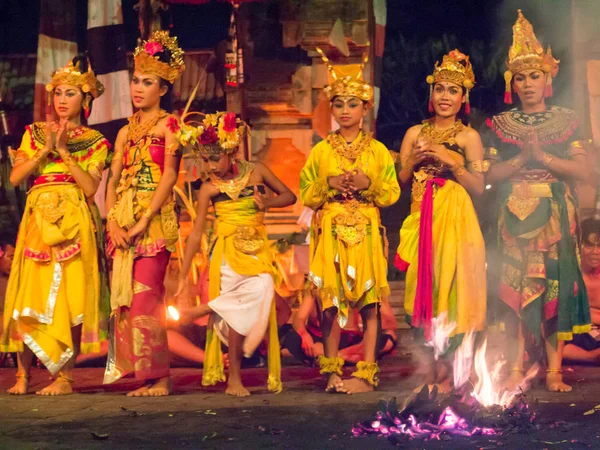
(526,52)
(86,81)
(455,68)
(146,61)
(347,81)
(210,134)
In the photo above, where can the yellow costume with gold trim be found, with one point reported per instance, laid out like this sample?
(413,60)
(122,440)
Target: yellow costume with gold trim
(347,258)
(54,282)
(241,287)
(457,253)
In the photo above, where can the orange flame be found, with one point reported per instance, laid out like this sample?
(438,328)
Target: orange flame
(173,312)
(488,389)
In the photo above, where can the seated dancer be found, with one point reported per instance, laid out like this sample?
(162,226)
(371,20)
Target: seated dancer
(53,294)
(536,155)
(241,287)
(441,245)
(142,222)
(304,339)
(585,347)
(347,177)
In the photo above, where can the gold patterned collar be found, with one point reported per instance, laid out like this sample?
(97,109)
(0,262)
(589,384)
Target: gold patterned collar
(233,187)
(445,136)
(349,150)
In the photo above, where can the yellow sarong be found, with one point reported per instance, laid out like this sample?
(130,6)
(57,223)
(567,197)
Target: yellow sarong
(459,267)
(54,282)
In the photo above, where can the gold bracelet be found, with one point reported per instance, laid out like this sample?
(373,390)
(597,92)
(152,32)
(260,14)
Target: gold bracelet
(516,161)
(458,169)
(405,163)
(547,158)
(148,214)
(112,215)
(69,160)
(554,371)
(37,156)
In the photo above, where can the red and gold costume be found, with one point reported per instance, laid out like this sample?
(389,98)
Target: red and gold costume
(54,283)
(138,335)
(540,277)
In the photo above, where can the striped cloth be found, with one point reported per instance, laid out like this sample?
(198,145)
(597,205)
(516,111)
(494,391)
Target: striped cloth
(380,12)
(106,47)
(57,45)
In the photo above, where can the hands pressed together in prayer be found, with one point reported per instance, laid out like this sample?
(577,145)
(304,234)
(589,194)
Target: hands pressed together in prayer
(532,150)
(350,181)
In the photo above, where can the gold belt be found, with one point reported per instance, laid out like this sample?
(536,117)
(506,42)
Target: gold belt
(525,198)
(531,190)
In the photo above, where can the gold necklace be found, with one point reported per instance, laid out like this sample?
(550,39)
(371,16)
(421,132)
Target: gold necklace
(234,186)
(348,150)
(437,136)
(138,130)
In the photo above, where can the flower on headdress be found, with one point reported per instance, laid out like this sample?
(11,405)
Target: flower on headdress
(188,135)
(209,136)
(153,47)
(172,124)
(229,122)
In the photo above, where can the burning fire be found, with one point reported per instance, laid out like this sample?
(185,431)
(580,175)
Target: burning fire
(481,408)
(173,312)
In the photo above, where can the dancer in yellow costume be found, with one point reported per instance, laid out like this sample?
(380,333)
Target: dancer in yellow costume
(441,245)
(52,299)
(536,155)
(142,222)
(241,272)
(347,177)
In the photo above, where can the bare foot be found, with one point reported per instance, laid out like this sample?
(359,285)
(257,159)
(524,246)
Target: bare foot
(554,383)
(140,392)
(236,389)
(334,383)
(356,386)
(20,387)
(161,388)
(59,386)
(515,380)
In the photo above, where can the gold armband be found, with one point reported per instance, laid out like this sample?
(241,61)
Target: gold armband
(480,166)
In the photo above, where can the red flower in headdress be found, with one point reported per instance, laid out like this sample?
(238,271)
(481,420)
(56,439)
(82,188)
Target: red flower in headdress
(229,122)
(153,48)
(209,136)
(172,124)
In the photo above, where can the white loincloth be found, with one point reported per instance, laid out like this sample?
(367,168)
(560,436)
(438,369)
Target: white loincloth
(244,305)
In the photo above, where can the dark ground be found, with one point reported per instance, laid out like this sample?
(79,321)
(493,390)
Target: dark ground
(302,416)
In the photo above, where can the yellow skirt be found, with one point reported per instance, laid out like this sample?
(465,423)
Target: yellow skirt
(349,274)
(54,281)
(459,267)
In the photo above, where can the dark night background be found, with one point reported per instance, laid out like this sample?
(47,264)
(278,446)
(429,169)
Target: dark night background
(417,35)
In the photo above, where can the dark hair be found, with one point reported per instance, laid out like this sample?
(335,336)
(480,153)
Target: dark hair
(8,238)
(166,100)
(589,226)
